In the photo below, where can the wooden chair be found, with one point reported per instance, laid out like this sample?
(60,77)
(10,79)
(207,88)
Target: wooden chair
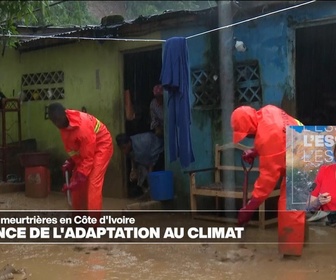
(217,189)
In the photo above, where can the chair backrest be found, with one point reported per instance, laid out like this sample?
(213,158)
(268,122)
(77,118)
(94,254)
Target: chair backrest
(219,151)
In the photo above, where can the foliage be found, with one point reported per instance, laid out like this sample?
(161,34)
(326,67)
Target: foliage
(11,12)
(65,13)
(40,13)
(146,8)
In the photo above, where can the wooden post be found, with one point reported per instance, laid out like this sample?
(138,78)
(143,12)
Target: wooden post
(193,202)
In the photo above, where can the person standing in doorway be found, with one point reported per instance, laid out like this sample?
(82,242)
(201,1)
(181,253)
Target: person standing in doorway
(156,111)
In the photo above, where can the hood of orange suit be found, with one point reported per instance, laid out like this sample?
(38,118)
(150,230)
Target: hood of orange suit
(73,117)
(243,122)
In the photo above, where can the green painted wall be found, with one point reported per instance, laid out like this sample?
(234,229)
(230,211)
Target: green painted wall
(93,77)
(10,84)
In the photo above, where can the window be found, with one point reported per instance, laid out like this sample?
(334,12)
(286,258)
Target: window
(205,88)
(248,87)
(43,86)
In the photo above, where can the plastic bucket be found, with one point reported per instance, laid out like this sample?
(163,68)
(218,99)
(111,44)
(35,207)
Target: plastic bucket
(37,182)
(161,185)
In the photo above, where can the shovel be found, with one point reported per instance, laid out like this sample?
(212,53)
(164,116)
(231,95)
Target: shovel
(247,170)
(246,174)
(68,191)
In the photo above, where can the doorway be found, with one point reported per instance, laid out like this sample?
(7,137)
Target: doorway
(142,71)
(315,78)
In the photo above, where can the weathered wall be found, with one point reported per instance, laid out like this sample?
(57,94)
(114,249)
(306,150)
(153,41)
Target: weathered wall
(271,40)
(91,79)
(10,86)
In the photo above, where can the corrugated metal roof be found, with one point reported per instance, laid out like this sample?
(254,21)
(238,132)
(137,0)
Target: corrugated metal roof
(144,25)
(48,37)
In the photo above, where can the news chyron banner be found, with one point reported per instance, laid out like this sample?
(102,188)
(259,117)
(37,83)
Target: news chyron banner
(50,227)
(308,148)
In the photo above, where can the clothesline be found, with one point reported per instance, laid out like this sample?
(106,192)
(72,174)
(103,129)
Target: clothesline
(154,40)
(250,19)
(82,38)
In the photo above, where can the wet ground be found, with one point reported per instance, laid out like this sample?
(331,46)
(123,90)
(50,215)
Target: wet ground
(165,261)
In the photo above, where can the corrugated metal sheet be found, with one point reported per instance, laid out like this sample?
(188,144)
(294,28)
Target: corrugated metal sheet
(140,26)
(144,24)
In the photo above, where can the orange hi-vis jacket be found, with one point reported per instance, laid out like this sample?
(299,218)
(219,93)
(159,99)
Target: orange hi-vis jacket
(83,138)
(89,143)
(269,127)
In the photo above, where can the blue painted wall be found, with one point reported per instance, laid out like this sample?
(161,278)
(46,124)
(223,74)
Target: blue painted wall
(270,40)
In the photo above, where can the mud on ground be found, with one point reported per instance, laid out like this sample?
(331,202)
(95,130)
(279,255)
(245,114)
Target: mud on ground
(168,261)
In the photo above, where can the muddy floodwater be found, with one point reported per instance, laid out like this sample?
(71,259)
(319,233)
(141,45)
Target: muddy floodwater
(165,261)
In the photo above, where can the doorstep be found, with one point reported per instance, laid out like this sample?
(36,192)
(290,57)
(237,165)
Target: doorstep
(145,205)
(8,187)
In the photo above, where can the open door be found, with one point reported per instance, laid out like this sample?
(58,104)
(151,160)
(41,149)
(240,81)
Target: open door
(315,74)
(142,71)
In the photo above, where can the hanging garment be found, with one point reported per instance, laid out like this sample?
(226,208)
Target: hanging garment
(129,110)
(175,79)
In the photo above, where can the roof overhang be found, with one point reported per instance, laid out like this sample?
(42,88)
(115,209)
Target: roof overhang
(127,29)
(51,37)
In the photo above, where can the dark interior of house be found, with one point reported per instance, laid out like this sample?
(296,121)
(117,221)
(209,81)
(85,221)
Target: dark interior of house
(315,74)
(141,73)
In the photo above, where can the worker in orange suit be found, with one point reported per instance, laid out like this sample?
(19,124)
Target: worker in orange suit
(89,146)
(268,128)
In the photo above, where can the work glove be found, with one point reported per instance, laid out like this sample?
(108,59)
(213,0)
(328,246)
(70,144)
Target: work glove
(78,182)
(245,214)
(68,165)
(249,155)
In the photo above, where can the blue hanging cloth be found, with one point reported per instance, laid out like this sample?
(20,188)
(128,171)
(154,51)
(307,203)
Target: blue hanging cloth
(175,79)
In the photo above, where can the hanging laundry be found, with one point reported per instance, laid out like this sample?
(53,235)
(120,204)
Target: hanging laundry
(175,79)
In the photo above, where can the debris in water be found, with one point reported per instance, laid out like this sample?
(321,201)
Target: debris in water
(7,276)
(235,255)
(8,271)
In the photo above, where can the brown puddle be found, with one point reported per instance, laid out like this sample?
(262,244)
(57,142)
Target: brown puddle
(165,261)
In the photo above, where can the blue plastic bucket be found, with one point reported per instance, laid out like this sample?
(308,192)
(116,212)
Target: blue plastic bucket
(161,185)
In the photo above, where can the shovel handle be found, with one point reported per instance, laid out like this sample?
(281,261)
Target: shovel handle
(246,169)
(68,191)
(246,173)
